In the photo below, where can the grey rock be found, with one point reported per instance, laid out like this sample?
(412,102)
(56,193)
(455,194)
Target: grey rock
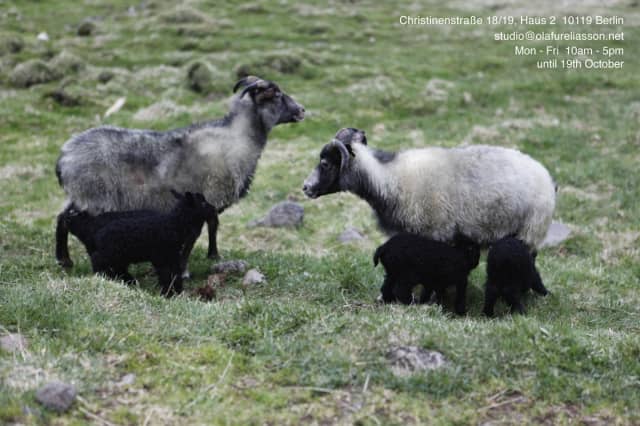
(284,214)
(349,235)
(57,396)
(557,233)
(230,267)
(407,360)
(13,342)
(252,277)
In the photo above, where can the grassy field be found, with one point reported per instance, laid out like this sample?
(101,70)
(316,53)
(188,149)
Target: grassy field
(310,345)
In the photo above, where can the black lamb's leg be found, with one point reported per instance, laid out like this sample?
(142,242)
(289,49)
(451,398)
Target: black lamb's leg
(387,290)
(461,297)
(490,298)
(212,225)
(536,284)
(62,240)
(404,293)
(514,301)
(169,278)
(186,252)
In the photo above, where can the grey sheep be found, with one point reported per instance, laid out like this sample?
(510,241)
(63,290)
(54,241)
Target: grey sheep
(108,169)
(483,192)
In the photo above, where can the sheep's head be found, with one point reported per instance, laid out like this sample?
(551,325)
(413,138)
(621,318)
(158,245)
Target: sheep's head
(336,157)
(273,105)
(196,203)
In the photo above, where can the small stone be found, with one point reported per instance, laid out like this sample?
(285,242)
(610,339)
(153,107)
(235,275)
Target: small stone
(57,396)
(252,277)
(350,235)
(467,98)
(557,233)
(407,360)
(230,267)
(86,28)
(13,342)
(43,36)
(127,380)
(284,214)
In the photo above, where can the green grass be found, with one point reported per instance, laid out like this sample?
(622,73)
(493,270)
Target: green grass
(310,345)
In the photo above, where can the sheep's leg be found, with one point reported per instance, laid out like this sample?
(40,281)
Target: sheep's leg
(490,298)
(387,290)
(461,297)
(212,226)
(62,240)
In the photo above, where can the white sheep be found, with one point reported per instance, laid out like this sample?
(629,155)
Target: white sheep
(482,192)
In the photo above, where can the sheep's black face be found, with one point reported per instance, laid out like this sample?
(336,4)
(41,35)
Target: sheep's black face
(325,178)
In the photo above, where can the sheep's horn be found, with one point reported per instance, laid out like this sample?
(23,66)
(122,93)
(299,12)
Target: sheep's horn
(344,155)
(248,89)
(248,80)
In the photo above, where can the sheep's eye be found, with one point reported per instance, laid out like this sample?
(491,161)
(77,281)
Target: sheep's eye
(324,164)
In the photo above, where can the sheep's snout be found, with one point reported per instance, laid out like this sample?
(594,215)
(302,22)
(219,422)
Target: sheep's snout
(310,184)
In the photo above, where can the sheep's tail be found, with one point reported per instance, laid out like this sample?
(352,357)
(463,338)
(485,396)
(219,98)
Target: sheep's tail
(59,173)
(377,255)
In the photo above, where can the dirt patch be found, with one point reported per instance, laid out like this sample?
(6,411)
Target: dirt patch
(618,244)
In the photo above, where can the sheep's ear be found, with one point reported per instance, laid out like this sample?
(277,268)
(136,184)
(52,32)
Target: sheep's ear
(349,135)
(359,137)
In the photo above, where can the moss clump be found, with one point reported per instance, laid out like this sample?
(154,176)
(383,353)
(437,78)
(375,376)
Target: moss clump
(32,72)
(65,63)
(86,28)
(200,77)
(184,15)
(285,63)
(10,44)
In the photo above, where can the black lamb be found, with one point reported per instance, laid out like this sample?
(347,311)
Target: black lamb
(410,259)
(511,272)
(144,236)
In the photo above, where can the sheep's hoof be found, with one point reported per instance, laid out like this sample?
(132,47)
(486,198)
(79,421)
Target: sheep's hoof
(66,263)
(186,275)
(213,256)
